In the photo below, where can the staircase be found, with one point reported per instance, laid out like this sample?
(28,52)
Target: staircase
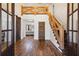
(57,32)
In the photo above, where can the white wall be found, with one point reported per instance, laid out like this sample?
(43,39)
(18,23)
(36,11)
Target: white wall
(37,19)
(60,12)
(48,31)
(23,32)
(24,21)
(41,18)
(18,9)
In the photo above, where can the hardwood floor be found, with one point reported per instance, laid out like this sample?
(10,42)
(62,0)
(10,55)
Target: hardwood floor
(30,47)
(70,49)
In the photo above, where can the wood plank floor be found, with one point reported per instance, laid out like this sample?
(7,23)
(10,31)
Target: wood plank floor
(30,47)
(70,49)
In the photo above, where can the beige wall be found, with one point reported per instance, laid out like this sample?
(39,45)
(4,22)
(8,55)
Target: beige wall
(60,12)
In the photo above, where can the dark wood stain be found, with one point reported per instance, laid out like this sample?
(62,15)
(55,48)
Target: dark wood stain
(30,47)
(78,33)
(70,49)
(18,27)
(41,30)
(13,28)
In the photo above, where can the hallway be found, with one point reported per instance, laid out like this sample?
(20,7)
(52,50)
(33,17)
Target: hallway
(39,29)
(30,47)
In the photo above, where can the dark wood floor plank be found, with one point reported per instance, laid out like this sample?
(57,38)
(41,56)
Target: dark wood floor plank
(30,47)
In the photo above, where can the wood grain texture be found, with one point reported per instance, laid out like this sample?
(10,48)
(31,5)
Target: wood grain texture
(18,27)
(41,30)
(30,47)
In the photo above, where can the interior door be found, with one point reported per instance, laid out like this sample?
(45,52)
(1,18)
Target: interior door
(18,27)
(42,31)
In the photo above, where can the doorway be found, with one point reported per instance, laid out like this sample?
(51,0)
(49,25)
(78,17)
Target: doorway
(18,28)
(42,31)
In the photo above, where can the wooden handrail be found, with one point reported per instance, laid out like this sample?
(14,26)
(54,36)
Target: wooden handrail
(57,29)
(56,20)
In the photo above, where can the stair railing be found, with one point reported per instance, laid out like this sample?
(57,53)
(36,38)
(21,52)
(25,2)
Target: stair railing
(57,29)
